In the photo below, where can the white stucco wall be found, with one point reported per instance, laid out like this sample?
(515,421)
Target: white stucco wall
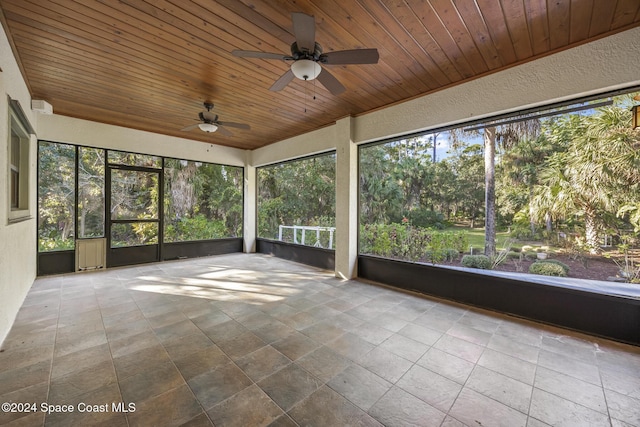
(317,141)
(17,240)
(59,128)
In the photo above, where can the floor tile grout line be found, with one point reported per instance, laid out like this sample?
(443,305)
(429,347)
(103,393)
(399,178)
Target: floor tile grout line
(533,386)
(53,352)
(604,394)
(112,360)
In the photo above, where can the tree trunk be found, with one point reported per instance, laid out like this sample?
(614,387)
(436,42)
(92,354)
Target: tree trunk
(83,219)
(591,231)
(490,191)
(532,222)
(182,190)
(548,222)
(435,139)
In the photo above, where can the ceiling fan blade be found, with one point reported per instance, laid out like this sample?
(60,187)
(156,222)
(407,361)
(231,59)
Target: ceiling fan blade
(253,54)
(235,125)
(353,56)
(223,131)
(284,80)
(304,28)
(331,83)
(188,128)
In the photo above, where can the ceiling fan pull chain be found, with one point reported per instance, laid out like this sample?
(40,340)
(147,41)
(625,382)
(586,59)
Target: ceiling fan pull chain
(314,89)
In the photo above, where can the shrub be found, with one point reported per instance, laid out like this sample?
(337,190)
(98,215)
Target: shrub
(452,254)
(407,242)
(547,269)
(476,261)
(564,266)
(513,255)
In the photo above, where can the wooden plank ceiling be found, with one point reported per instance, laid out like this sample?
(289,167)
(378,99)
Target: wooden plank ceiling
(150,64)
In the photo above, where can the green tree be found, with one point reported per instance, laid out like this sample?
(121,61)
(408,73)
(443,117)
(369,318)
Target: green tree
(598,174)
(56,196)
(299,192)
(91,192)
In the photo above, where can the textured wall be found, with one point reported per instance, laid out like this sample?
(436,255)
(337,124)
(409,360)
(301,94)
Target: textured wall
(75,131)
(606,64)
(17,240)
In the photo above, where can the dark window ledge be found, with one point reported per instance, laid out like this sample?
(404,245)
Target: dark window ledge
(309,255)
(606,309)
(627,290)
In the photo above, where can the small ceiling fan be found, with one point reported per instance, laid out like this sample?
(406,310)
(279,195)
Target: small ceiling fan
(210,123)
(307,56)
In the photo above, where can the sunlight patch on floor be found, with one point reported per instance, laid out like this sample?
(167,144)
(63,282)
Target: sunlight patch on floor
(219,290)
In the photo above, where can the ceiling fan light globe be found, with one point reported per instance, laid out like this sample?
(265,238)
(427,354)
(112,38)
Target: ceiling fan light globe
(208,127)
(306,69)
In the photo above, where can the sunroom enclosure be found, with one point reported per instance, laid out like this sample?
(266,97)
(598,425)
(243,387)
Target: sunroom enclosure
(563,76)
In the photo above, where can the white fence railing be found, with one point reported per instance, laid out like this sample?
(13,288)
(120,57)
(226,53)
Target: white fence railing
(304,229)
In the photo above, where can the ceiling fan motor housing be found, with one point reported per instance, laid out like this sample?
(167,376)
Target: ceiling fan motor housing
(296,53)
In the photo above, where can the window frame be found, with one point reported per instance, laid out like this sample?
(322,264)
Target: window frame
(18,175)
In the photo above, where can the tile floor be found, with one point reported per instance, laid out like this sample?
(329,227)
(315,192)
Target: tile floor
(248,340)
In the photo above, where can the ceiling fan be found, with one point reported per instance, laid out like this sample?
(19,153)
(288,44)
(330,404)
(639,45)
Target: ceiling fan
(307,56)
(210,123)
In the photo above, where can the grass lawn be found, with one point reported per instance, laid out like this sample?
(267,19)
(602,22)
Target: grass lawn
(476,239)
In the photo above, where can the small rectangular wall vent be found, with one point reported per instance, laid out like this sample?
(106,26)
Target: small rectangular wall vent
(41,106)
(91,254)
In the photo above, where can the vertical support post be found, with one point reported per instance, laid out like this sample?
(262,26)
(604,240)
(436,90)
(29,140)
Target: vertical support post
(280,232)
(250,197)
(304,230)
(295,234)
(346,200)
(331,238)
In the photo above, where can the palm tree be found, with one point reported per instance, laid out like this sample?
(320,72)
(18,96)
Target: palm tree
(504,137)
(596,175)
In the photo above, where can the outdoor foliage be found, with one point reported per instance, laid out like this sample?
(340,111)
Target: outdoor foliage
(565,180)
(547,269)
(562,265)
(91,195)
(300,192)
(403,241)
(201,200)
(56,195)
(476,261)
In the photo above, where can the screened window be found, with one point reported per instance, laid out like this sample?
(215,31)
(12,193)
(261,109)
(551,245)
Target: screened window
(552,187)
(202,201)
(91,192)
(296,201)
(56,196)
(134,159)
